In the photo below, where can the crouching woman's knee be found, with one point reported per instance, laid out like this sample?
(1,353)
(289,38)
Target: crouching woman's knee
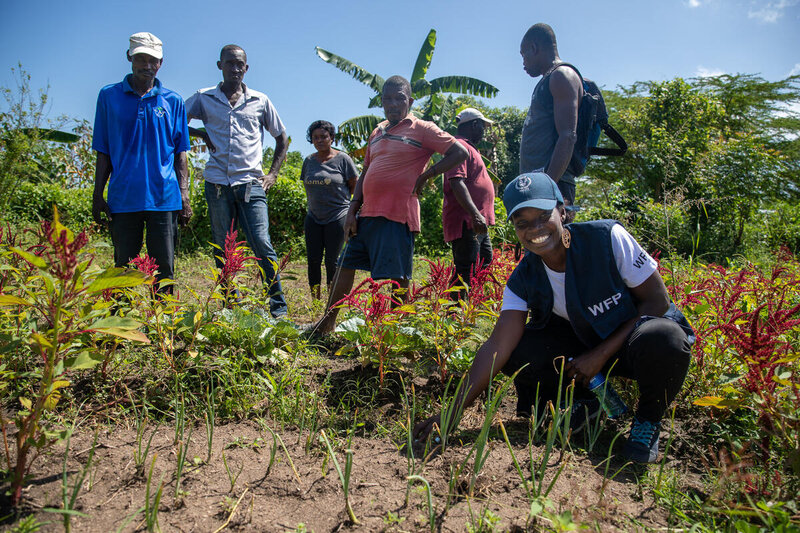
(663,343)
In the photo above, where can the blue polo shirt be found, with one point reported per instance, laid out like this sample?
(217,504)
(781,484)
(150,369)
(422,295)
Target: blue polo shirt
(141,135)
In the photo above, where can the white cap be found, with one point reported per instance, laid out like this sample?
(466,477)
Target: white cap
(145,43)
(469,114)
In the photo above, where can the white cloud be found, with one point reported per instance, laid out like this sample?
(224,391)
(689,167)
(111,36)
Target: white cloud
(795,70)
(771,12)
(693,3)
(703,72)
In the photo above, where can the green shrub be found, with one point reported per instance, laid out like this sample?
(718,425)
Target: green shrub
(33,202)
(197,234)
(430,241)
(778,226)
(287,211)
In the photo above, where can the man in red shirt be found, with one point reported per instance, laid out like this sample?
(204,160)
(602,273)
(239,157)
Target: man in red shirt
(384,212)
(468,207)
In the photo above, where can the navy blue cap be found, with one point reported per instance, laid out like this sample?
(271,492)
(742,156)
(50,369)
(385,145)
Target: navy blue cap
(532,189)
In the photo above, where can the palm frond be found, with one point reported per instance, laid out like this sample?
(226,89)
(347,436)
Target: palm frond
(375,101)
(424,57)
(373,81)
(463,85)
(46,134)
(420,88)
(355,131)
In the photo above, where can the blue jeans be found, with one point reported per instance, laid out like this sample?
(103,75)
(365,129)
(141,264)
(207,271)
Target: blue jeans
(246,205)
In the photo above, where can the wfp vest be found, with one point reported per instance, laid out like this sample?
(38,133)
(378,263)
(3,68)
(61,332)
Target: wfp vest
(598,301)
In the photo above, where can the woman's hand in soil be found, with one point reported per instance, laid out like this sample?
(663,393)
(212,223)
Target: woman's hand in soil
(423,429)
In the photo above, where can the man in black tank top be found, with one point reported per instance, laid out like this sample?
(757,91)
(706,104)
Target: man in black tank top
(548,135)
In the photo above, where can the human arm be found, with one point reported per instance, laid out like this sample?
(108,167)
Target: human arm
(202,134)
(182,173)
(102,172)
(281,147)
(461,194)
(565,86)
(350,173)
(350,223)
(651,299)
(492,356)
(453,156)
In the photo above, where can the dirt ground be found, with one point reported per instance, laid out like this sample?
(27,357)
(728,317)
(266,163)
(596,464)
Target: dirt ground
(305,493)
(310,495)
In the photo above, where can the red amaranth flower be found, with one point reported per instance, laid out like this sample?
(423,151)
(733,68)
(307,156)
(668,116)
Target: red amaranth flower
(234,256)
(62,254)
(145,264)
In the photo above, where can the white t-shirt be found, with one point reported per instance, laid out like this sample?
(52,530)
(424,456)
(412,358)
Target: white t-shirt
(634,265)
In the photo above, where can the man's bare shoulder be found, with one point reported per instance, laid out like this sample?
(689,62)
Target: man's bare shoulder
(565,73)
(565,78)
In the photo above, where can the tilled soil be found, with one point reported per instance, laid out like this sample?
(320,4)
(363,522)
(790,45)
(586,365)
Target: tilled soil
(309,494)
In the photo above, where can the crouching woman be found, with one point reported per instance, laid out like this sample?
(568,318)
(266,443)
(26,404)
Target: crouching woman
(591,294)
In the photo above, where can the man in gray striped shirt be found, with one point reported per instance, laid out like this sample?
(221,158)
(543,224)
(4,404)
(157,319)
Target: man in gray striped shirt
(235,118)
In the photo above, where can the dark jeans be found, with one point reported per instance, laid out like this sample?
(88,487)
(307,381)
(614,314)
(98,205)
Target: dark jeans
(246,205)
(656,354)
(322,239)
(128,234)
(567,191)
(468,250)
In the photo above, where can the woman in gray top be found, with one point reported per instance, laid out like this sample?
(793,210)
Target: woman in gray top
(329,177)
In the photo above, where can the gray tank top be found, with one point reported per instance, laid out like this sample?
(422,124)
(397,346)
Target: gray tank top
(539,133)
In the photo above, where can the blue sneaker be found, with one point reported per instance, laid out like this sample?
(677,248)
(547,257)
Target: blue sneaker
(642,445)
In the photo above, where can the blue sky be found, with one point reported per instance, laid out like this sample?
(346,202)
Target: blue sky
(77,47)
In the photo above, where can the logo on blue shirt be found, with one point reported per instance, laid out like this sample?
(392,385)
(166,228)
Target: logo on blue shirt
(159,111)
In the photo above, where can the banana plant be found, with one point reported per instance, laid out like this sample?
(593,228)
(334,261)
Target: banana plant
(437,108)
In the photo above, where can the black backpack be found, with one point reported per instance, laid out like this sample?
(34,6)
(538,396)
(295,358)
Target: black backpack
(592,119)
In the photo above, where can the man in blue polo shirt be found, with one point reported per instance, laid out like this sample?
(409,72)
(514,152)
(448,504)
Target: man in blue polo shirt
(141,137)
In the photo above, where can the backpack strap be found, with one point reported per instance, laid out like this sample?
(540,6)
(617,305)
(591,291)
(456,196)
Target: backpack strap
(573,67)
(615,136)
(607,128)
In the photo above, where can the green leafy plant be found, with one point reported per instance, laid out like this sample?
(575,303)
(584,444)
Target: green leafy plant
(381,318)
(233,476)
(151,504)
(429,501)
(61,319)
(69,495)
(210,416)
(344,475)
(141,446)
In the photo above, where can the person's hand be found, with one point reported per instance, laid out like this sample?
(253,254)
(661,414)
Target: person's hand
(584,367)
(350,226)
(185,213)
(99,207)
(423,429)
(269,180)
(479,224)
(419,185)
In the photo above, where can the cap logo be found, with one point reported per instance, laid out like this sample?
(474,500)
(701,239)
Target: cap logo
(523,183)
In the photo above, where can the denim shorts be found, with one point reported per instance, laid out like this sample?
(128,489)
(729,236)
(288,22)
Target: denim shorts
(383,247)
